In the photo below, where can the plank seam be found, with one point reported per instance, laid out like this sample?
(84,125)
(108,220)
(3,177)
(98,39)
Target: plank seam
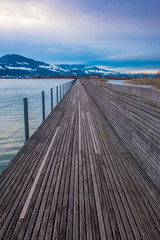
(26,205)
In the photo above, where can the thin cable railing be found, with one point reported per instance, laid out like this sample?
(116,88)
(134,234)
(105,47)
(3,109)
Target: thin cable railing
(11,104)
(14,133)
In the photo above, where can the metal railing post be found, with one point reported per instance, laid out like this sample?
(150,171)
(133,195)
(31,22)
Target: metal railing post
(51,99)
(43,106)
(26,122)
(60,92)
(57,93)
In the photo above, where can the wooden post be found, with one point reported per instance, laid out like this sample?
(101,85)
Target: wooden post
(63,90)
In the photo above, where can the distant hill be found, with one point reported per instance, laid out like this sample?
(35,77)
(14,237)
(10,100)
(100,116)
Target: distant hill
(16,66)
(12,65)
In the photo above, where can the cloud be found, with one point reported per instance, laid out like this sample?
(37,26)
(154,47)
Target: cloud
(146,71)
(86,31)
(130,69)
(59,20)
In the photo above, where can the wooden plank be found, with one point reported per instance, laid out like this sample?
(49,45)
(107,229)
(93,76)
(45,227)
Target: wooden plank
(81,181)
(26,205)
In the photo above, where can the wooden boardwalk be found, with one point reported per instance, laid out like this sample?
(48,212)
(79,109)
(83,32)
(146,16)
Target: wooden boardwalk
(75,179)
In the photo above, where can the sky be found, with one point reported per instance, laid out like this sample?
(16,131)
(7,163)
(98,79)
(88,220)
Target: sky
(123,35)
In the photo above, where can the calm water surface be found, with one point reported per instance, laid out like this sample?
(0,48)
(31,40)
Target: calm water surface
(12,92)
(122,82)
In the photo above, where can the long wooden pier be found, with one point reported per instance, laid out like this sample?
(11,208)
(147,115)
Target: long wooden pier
(75,179)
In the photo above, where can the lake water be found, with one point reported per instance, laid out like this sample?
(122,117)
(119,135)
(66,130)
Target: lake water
(12,92)
(122,82)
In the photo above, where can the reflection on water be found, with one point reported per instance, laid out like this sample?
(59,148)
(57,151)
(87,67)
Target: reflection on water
(12,92)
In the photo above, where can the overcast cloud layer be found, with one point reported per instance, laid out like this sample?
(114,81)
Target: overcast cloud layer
(122,34)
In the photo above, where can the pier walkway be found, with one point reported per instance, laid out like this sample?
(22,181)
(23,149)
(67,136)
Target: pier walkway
(75,179)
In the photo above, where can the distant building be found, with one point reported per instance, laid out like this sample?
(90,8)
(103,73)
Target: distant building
(94,77)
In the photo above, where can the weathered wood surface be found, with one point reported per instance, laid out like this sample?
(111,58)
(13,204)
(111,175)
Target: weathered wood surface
(135,119)
(75,179)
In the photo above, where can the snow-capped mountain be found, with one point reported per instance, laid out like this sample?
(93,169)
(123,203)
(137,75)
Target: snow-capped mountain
(13,65)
